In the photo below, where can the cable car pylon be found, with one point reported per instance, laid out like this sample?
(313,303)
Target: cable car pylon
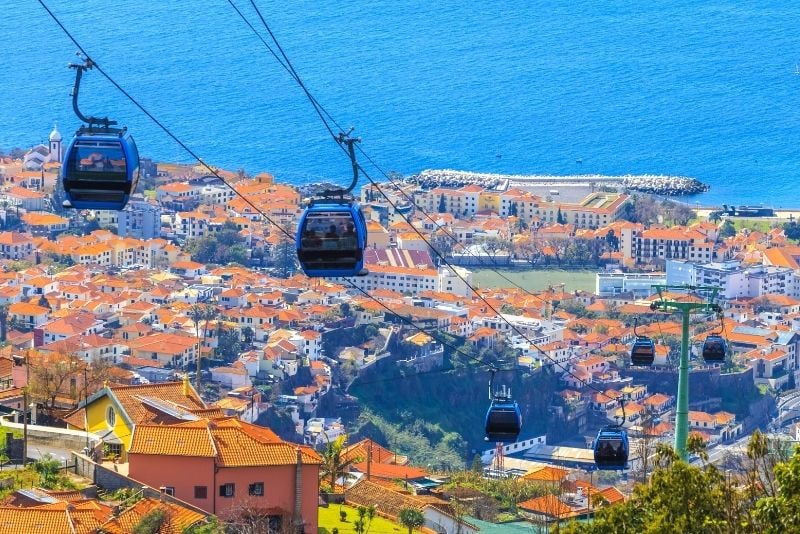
(685,308)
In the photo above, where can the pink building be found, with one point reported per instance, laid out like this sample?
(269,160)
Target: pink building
(228,467)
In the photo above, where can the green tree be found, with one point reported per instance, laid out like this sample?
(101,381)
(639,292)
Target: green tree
(370,515)
(780,513)
(334,464)
(223,246)
(209,526)
(3,322)
(229,345)
(727,229)
(285,258)
(442,205)
(560,219)
(248,334)
(151,522)
(47,468)
(612,241)
(792,230)
(411,519)
(198,313)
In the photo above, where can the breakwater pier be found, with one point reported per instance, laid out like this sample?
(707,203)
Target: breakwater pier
(646,183)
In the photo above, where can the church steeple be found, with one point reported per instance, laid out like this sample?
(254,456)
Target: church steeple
(56,152)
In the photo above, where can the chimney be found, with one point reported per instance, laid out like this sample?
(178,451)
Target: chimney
(369,460)
(297,523)
(185,385)
(162,490)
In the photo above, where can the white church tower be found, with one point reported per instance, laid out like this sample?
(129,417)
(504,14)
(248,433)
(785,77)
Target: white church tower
(56,151)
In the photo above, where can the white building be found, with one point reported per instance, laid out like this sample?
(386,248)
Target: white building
(139,219)
(734,280)
(615,283)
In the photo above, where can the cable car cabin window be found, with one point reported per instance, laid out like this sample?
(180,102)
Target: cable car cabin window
(99,161)
(611,451)
(503,421)
(329,231)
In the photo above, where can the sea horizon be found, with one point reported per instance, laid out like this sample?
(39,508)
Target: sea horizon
(690,88)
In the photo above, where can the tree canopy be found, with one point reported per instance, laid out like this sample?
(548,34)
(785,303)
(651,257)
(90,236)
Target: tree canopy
(684,498)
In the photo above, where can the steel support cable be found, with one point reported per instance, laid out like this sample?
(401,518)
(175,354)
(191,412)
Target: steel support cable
(318,109)
(162,126)
(286,63)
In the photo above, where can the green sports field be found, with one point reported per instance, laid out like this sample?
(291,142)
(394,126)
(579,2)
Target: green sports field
(533,280)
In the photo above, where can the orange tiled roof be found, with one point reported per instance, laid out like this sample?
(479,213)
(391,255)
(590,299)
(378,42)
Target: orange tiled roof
(359,451)
(178,518)
(130,399)
(391,471)
(385,500)
(547,474)
(234,443)
(50,519)
(549,505)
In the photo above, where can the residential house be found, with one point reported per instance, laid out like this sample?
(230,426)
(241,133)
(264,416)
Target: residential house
(167,348)
(41,222)
(15,246)
(28,315)
(114,411)
(227,467)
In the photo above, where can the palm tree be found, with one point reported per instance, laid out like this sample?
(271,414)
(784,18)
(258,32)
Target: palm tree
(333,464)
(411,518)
(248,334)
(199,313)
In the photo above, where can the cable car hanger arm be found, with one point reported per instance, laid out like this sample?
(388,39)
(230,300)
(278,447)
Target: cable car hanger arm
(87,64)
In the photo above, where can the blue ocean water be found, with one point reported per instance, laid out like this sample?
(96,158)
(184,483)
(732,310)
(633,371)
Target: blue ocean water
(706,89)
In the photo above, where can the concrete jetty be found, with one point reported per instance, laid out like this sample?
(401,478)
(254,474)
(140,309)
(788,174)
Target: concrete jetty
(647,183)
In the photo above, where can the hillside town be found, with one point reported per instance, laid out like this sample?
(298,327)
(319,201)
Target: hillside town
(173,350)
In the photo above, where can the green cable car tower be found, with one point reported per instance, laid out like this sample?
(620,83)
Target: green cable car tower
(685,305)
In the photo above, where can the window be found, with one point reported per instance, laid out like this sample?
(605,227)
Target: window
(169,490)
(257,489)
(111,417)
(201,492)
(227,490)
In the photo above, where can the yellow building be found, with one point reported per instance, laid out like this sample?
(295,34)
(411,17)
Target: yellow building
(114,411)
(489,200)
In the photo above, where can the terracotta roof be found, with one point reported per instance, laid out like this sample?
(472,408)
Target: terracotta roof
(52,518)
(549,505)
(130,398)
(386,501)
(234,443)
(547,474)
(178,518)
(359,451)
(391,471)
(173,440)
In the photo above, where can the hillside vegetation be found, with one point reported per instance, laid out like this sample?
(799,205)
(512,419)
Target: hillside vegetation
(439,417)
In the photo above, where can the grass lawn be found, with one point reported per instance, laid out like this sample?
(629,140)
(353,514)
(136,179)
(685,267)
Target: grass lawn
(754,224)
(536,279)
(329,518)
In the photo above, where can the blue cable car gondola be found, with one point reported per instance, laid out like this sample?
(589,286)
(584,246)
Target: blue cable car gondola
(715,348)
(331,239)
(503,418)
(332,233)
(611,448)
(643,351)
(611,445)
(101,164)
(100,169)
